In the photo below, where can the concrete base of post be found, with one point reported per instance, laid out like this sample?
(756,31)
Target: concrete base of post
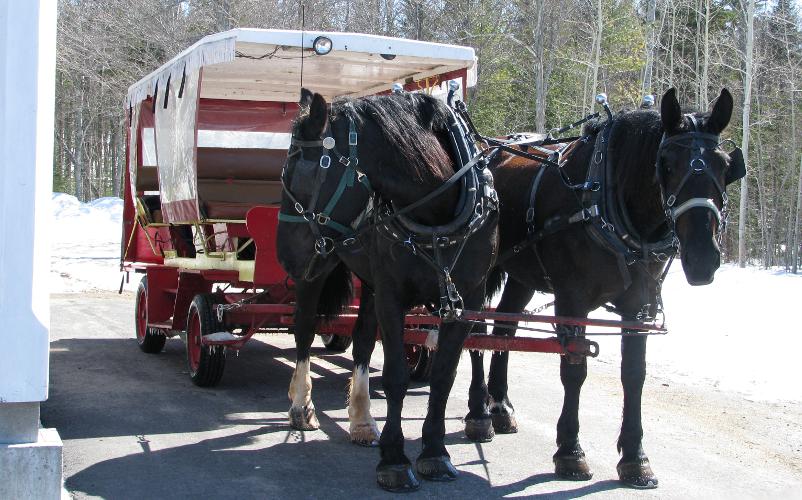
(29,468)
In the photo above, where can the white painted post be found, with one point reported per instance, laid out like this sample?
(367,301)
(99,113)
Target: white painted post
(30,458)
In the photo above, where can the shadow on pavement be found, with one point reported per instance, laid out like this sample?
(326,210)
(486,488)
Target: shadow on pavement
(170,439)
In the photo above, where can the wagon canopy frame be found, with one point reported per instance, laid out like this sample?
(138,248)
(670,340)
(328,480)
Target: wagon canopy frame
(264,65)
(238,91)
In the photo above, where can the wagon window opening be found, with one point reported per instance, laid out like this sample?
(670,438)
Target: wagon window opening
(242,147)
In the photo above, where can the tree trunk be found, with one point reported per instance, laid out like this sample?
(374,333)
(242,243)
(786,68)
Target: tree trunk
(597,52)
(747,106)
(646,87)
(704,84)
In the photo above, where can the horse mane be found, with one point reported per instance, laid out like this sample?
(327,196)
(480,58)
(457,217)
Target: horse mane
(413,124)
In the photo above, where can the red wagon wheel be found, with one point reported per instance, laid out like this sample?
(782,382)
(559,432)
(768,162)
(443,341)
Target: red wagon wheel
(419,361)
(206,363)
(335,343)
(150,340)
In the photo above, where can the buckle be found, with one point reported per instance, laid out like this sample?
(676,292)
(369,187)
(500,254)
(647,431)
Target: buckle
(671,200)
(345,161)
(325,161)
(324,246)
(348,242)
(299,208)
(530,214)
(352,138)
(323,219)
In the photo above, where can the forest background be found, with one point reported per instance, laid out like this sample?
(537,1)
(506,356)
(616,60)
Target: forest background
(541,62)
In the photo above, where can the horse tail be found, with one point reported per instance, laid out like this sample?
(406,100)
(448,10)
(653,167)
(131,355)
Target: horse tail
(494,283)
(337,293)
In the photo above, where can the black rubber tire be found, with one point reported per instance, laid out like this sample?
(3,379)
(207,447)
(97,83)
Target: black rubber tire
(212,359)
(153,339)
(420,367)
(336,343)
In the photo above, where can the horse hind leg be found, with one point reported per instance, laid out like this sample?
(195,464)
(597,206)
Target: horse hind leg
(515,298)
(478,423)
(362,426)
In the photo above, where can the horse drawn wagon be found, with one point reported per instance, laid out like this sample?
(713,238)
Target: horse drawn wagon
(217,177)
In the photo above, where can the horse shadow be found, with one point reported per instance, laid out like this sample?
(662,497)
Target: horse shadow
(167,438)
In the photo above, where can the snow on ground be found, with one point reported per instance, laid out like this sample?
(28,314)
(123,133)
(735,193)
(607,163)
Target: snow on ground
(739,334)
(85,244)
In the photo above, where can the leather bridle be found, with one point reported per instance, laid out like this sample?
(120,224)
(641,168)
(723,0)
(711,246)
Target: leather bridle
(696,142)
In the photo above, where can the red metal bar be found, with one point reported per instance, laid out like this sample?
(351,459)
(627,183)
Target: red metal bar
(560,320)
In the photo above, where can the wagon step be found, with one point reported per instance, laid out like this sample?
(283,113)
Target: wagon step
(224,338)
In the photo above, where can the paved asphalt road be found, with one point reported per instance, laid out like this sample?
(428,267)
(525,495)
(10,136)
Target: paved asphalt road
(134,426)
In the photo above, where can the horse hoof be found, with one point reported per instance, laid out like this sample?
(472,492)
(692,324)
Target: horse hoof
(504,423)
(637,474)
(303,418)
(436,469)
(397,478)
(479,430)
(573,467)
(365,435)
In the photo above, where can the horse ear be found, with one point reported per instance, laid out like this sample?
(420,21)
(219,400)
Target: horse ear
(670,112)
(318,114)
(306,98)
(721,114)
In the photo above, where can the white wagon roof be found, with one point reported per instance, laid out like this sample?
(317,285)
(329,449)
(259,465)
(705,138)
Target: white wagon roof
(265,65)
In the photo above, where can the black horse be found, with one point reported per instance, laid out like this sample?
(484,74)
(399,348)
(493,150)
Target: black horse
(370,188)
(593,238)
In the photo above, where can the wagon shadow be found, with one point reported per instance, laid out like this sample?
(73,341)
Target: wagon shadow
(219,468)
(239,444)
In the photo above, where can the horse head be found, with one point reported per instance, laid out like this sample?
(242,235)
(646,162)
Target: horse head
(693,170)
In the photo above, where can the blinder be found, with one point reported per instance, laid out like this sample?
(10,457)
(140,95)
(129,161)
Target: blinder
(305,170)
(737,167)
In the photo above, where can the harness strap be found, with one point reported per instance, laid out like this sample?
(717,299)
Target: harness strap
(530,212)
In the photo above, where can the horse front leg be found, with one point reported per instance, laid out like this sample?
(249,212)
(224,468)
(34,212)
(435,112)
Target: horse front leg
(302,410)
(394,472)
(569,460)
(362,426)
(633,468)
(514,299)
(434,462)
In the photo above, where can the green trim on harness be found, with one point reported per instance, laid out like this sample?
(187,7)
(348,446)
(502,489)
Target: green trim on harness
(346,181)
(330,223)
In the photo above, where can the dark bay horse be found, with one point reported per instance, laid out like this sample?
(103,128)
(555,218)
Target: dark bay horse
(667,175)
(351,172)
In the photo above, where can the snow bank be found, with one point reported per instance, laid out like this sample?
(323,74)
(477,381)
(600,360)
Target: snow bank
(739,333)
(85,244)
